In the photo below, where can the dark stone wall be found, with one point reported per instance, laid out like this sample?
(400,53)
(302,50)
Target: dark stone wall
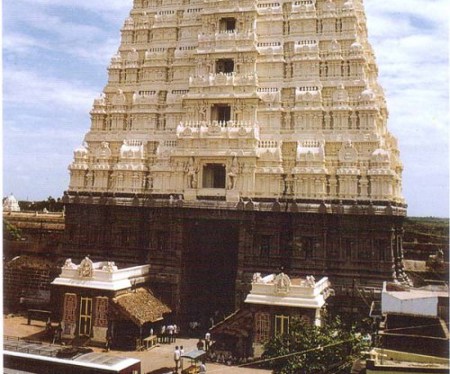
(363,249)
(30,278)
(35,234)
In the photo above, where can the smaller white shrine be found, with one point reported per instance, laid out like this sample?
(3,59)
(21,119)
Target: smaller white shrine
(273,303)
(10,204)
(280,290)
(97,300)
(103,275)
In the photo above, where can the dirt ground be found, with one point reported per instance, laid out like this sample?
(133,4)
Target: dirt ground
(158,360)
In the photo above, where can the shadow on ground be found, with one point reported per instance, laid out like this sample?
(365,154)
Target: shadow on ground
(41,336)
(161,371)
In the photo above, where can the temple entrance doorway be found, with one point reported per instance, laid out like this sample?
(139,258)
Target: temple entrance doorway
(209,271)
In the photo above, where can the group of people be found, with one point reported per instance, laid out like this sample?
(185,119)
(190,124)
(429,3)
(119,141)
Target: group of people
(168,334)
(177,357)
(227,358)
(201,345)
(177,353)
(228,354)
(206,344)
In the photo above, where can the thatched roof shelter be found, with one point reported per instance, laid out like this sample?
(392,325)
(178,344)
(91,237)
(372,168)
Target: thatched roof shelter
(140,306)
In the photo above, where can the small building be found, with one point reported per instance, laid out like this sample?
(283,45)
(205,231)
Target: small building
(10,204)
(430,301)
(99,301)
(415,320)
(272,303)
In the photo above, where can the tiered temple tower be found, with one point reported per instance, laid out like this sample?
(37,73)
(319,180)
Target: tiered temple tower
(241,136)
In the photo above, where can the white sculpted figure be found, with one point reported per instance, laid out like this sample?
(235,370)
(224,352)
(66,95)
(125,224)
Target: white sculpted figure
(233,173)
(86,268)
(282,284)
(147,182)
(89,179)
(110,267)
(202,112)
(68,264)
(104,151)
(310,281)
(257,278)
(192,170)
(112,180)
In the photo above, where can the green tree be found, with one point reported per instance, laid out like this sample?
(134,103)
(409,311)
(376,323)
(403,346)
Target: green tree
(11,230)
(310,349)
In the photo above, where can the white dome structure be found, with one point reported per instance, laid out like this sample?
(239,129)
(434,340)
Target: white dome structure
(10,204)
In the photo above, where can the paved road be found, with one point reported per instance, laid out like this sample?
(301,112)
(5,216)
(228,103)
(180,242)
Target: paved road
(158,360)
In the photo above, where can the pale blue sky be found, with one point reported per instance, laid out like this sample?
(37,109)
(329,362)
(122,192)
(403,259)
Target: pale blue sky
(55,55)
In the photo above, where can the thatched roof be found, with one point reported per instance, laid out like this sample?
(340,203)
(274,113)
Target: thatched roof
(140,306)
(237,324)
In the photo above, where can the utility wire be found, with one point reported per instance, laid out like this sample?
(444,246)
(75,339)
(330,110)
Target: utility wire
(340,367)
(320,347)
(410,327)
(313,349)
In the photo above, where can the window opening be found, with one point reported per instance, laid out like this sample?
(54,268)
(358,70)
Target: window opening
(224,65)
(262,327)
(214,176)
(221,113)
(227,24)
(281,325)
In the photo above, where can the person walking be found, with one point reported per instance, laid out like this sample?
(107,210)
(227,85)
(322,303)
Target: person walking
(162,338)
(207,340)
(181,358)
(169,330)
(58,333)
(175,332)
(176,358)
(108,343)
(200,344)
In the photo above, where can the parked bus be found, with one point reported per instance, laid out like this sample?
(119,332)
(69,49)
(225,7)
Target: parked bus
(36,358)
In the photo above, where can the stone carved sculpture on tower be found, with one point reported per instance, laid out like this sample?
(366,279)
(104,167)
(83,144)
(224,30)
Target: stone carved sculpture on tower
(191,171)
(199,84)
(233,172)
(86,268)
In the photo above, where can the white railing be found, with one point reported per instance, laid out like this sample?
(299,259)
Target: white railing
(105,275)
(227,35)
(304,290)
(207,124)
(223,79)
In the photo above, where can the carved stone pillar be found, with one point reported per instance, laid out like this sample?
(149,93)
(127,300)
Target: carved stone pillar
(100,325)
(69,319)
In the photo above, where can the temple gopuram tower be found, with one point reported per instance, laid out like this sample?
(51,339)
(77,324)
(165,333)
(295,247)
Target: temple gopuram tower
(236,137)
